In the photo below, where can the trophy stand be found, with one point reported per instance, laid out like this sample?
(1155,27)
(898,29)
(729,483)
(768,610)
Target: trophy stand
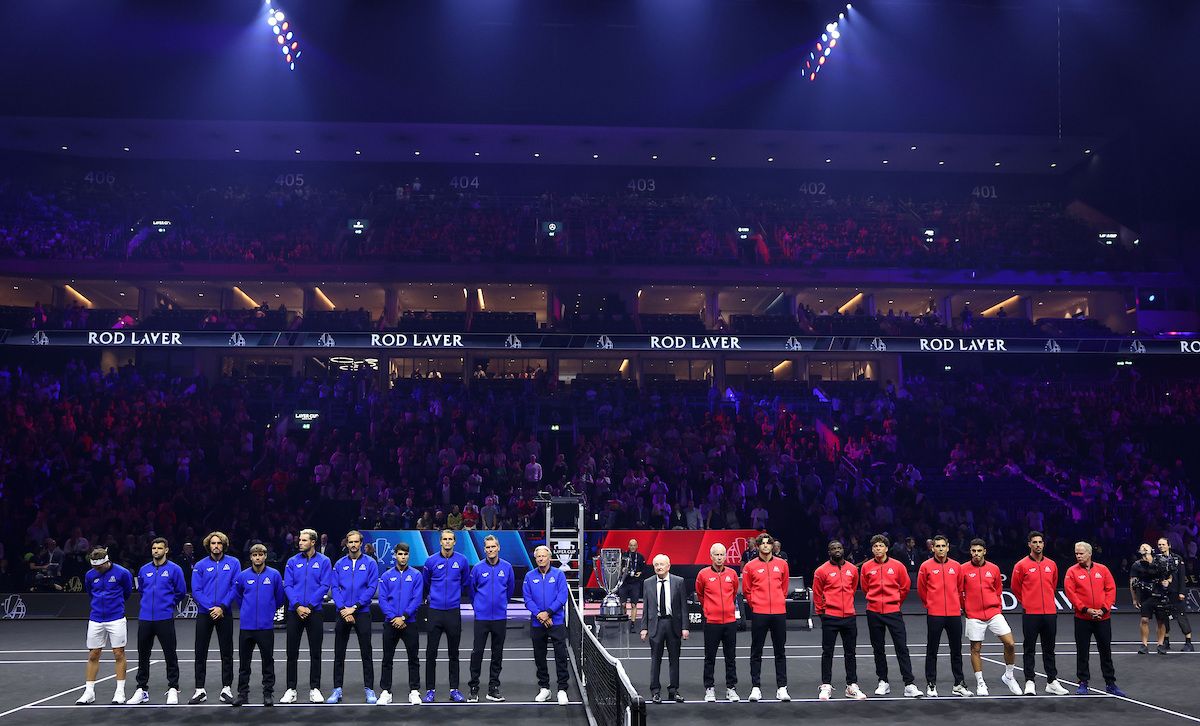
(610,576)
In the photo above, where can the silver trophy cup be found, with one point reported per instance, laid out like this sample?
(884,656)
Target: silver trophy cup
(610,576)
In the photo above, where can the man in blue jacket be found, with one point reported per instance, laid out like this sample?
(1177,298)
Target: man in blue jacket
(492,585)
(545,591)
(446,571)
(109,585)
(258,590)
(162,586)
(400,591)
(212,589)
(355,579)
(307,578)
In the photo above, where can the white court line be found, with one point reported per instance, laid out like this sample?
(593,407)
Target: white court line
(37,703)
(446,704)
(1105,693)
(300,660)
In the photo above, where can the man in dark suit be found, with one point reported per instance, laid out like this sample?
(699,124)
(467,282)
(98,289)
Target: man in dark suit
(663,619)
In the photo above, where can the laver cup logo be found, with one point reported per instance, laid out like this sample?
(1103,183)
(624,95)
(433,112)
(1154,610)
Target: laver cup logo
(12,608)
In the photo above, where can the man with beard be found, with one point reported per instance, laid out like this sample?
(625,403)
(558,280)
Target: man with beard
(162,586)
(259,592)
(307,578)
(1034,582)
(109,586)
(447,572)
(981,587)
(213,581)
(834,584)
(355,579)
(939,583)
(886,583)
(492,584)
(765,584)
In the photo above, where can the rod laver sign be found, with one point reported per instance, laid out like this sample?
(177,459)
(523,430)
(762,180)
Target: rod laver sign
(694,342)
(964,345)
(416,340)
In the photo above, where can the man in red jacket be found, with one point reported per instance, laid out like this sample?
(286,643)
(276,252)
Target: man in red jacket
(765,585)
(982,585)
(1034,582)
(834,584)
(716,588)
(886,583)
(1092,591)
(939,583)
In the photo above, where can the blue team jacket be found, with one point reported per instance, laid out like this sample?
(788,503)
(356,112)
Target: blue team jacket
(491,588)
(400,592)
(212,582)
(446,577)
(307,579)
(354,582)
(547,592)
(109,593)
(259,595)
(162,588)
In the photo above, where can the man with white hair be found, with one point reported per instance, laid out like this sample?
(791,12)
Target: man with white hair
(545,592)
(663,620)
(1092,591)
(716,587)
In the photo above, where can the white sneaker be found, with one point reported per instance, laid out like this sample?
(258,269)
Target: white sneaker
(732,695)
(826,692)
(782,694)
(883,688)
(1030,688)
(562,698)
(139,696)
(981,688)
(385,699)
(911,691)
(1056,689)
(542,695)
(86,698)
(314,696)
(853,691)
(755,693)
(289,696)
(963,691)
(200,696)
(172,696)
(414,697)
(226,695)
(118,696)
(1010,681)
(710,695)
(931,692)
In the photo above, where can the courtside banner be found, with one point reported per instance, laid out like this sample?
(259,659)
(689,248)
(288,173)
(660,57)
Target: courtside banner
(685,547)
(515,546)
(534,341)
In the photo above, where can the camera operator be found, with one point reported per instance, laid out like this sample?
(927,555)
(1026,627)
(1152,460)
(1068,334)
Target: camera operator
(1148,585)
(1175,600)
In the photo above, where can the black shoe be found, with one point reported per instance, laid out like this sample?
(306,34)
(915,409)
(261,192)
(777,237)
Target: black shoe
(494,694)
(656,697)
(198,698)
(1143,650)
(674,696)
(267,700)
(1167,643)
(1187,647)
(1162,650)
(474,697)
(240,700)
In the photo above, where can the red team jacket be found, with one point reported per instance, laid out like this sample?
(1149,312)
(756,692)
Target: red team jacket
(833,589)
(940,586)
(1092,587)
(765,585)
(981,587)
(886,584)
(716,591)
(1035,584)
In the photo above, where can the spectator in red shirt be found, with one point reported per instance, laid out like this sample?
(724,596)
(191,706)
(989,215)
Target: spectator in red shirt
(886,583)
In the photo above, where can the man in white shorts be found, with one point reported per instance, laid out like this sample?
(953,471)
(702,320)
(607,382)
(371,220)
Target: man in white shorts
(981,585)
(109,585)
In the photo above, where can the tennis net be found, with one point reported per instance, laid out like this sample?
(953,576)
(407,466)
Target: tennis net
(608,695)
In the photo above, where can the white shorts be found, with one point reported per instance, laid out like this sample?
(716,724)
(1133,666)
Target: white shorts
(977,629)
(113,634)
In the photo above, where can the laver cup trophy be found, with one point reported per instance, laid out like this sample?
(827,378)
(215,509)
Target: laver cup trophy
(610,577)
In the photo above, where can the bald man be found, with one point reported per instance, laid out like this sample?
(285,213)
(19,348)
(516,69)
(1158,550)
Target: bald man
(663,621)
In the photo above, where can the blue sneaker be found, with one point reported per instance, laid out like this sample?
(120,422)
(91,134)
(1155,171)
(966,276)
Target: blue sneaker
(1082,690)
(1114,690)
(456,695)
(335,697)
(430,696)
(371,699)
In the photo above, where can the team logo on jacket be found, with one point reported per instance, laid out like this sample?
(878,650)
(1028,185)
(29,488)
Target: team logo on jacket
(362,567)
(455,566)
(1083,577)
(266,581)
(536,580)
(728,578)
(210,569)
(713,579)
(951,570)
(891,571)
(970,574)
(391,579)
(1047,568)
(776,569)
(112,578)
(345,567)
(1034,569)
(299,564)
(315,565)
(250,582)
(1097,576)
(988,575)
(551,580)
(407,579)
(441,565)
(938,571)
(501,573)
(485,574)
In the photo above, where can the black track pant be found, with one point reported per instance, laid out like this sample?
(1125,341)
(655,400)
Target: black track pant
(724,635)
(879,625)
(313,628)
(542,636)
(776,625)
(448,622)
(1034,627)
(341,636)
(265,640)
(205,626)
(952,625)
(392,636)
(1085,630)
(497,629)
(831,628)
(164,630)
(1177,609)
